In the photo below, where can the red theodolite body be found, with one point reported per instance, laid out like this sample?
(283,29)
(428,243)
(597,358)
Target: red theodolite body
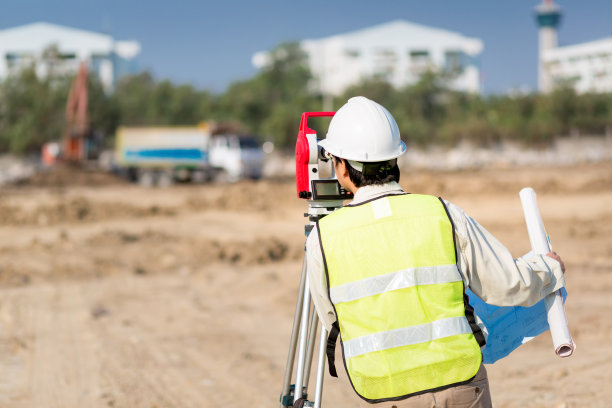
(308,155)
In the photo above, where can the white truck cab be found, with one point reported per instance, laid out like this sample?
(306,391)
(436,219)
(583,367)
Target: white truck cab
(236,156)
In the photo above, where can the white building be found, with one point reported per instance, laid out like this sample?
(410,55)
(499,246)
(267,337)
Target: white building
(587,67)
(24,45)
(548,18)
(398,52)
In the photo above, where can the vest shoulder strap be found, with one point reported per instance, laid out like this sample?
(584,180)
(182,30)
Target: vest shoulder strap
(469,310)
(331,348)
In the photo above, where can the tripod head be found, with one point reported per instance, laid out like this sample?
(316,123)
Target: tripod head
(324,195)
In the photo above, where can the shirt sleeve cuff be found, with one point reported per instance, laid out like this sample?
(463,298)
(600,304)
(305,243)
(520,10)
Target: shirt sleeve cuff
(556,278)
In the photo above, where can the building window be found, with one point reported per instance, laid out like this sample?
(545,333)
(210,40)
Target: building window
(419,56)
(572,81)
(454,62)
(11,59)
(384,72)
(385,61)
(18,61)
(600,74)
(352,53)
(385,53)
(420,62)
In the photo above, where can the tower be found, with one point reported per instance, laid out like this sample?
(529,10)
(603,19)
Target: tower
(548,17)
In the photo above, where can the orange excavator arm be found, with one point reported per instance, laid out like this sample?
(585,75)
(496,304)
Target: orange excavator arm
(77,117)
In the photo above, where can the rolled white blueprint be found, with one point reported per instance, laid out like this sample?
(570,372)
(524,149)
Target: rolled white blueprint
(562,340)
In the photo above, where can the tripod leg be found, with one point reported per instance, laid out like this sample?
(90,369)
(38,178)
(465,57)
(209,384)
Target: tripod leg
(312,337)
(294,336)
(320,367)
(299,380)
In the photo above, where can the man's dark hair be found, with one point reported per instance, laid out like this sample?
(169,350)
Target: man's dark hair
(373,173)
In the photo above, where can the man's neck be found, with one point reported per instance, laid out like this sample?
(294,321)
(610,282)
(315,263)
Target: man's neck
(366,193)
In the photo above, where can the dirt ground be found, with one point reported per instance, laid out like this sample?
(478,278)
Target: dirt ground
(112,295)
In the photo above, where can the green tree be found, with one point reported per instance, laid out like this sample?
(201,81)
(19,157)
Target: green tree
(32,111)
(104,111)
(272,101)
(134,95)
(32,107)
(378,90)
(143,101)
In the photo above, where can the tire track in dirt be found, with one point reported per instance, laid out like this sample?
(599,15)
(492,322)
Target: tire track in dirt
(15,340)
(62,364)
(186,370)
(191,366)
(128,381)
(125,376)
(166,373)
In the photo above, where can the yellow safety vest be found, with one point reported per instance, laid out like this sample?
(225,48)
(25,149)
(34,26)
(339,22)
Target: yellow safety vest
(398,296)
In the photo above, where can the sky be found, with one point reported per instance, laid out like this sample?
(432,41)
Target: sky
(210,43)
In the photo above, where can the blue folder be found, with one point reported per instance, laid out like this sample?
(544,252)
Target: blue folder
(509,327)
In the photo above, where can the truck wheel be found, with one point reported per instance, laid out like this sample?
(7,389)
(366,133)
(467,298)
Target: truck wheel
(132,174)
(165,179)
(146,178)
(222,177)
(199,177)
(183,175)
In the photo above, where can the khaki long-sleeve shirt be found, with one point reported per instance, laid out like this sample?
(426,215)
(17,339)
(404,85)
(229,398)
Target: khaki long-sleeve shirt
(486,266)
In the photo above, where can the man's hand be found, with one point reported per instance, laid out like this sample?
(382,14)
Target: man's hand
(556,257)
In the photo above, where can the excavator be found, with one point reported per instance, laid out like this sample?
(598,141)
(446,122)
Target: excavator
(77,119)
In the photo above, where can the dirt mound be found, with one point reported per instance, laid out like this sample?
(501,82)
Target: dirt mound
(265,195)
(580,179)
(172,250)
(75,210)
(66,175)
(256,252)
(58,208)
(115,252)
(114,237)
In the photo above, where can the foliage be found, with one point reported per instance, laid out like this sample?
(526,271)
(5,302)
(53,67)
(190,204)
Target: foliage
(31,111)
(271,102)
(104,112)
(142,101)
(430,112)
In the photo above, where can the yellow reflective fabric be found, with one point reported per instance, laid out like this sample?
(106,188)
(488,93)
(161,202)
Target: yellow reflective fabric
(364,242)
(412,306)
(422,217)
(410,369)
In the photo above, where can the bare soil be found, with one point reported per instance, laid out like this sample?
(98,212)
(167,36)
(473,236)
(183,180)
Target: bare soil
(112,295)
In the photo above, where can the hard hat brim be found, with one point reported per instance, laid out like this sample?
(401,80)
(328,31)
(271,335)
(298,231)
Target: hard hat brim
(367,158)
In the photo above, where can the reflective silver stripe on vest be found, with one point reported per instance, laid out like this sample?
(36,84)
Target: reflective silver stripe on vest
(425,275)
(406,336)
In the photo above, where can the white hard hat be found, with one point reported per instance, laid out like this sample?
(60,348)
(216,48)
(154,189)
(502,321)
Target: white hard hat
(364,131)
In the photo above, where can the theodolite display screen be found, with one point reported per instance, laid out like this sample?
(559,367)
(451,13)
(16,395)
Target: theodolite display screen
(329,190)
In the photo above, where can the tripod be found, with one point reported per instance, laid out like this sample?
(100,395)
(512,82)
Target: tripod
(324,196)
(304,330)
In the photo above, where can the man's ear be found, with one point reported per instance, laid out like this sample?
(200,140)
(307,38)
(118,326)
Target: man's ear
(341,168)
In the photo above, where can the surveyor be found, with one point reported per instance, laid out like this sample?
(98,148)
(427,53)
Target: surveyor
(388,273)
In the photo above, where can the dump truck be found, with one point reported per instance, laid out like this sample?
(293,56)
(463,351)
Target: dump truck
(163,155)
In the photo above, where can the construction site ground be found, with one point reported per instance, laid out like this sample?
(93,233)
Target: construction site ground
(112,295)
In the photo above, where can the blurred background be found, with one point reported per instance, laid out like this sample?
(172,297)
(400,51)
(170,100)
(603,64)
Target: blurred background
(150,234)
